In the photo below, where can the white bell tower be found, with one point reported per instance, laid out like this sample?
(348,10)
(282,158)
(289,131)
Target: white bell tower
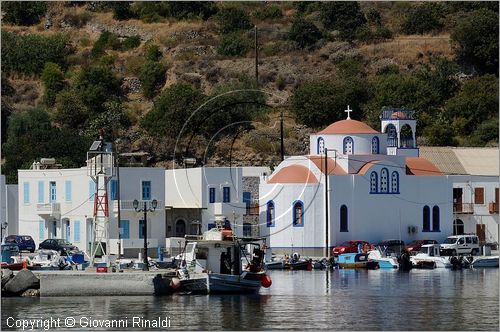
(400,126)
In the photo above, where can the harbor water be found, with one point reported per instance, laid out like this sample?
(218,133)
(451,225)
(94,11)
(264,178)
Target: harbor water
(438,299)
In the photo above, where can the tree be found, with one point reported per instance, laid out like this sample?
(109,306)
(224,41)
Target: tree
(232,44)
(112,121)
(304,32)
(344,16)
(475,40)
(423,18)
(152,77)
(24,12)
(53,82)
(231,19)
(69,110)
(172,110)
(96,85)
(319,103)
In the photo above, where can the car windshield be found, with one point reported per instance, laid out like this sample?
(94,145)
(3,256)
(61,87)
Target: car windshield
(63,242)
(450,240)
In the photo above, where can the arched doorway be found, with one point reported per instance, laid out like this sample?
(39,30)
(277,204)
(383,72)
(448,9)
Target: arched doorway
(406,136)
(180,228)
(458,227)
(392,135)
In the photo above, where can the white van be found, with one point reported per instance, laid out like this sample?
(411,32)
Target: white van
(460,244)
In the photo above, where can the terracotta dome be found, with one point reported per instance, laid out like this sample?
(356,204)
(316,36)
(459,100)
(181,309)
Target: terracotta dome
(348,127)
(293,174)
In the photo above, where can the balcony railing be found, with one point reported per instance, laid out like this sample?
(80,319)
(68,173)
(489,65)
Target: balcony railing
(252,209)
(464,208)
(128,205)
(48,209)
(493,207)
(397,113)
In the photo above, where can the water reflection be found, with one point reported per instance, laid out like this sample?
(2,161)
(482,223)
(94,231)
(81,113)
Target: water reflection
(338,300)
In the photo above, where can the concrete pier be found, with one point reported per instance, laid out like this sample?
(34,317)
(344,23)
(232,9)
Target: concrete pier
(73,283)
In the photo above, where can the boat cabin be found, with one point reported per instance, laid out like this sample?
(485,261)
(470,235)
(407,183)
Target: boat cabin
(430,250)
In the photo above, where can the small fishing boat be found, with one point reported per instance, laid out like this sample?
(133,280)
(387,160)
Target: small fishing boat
(274,265)
(429,257)
(356,261)
(213,263)
(485,261)
(383,262)
(296,263)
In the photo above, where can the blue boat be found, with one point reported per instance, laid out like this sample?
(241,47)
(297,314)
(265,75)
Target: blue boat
(383,262)
(356,261)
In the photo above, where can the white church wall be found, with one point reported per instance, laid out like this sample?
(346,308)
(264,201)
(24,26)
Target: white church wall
(362,143)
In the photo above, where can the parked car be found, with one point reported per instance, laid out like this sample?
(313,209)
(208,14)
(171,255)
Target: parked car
(60,245)
(417,244)
(350,246)
(389,247)
(460,244)
(24,242)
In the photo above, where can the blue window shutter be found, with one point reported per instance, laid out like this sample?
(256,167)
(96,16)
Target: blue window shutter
(141,229)
(91,190)
(67,191)
(211,195)
(124,229)
(52,192)
(146,190)
(26,192)
(247,198)
(41,230)
(114,187)
(226,195)
(41,192)
(76,231)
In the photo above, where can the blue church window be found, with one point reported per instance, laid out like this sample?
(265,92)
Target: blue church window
(298,214)
(435,218)
(321,146)
(348,145)
(375,145)
(343,219)
(373,182)
(384,180)
(426,219)
(395,182)
(270,214)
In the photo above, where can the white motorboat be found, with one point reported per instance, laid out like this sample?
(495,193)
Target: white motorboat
(383,262)
(429,257)
(485,261)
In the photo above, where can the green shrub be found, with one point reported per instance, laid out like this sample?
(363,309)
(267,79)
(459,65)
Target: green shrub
(231,19)
(475,40)
(423,18)
(107,40)
(367,34)
(344,16)
(270,12)
(130,43)
(69,110)
(155,11)
(77,20)
(304,33)
(53,81)
(29,53)
(373,16)
(96,85)
(152,77)
(232,44)
(121,10)
(152,53)
(23,12)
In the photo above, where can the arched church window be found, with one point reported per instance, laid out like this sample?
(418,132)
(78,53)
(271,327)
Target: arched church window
(298,214)
(426,219)
(375,145)
(395,182)
(321,146)
(373,182)
(384,179)
(435,218)
(343,219)
(270,214)
(348,145)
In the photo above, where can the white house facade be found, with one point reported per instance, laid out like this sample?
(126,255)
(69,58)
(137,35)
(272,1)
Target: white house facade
(378,188)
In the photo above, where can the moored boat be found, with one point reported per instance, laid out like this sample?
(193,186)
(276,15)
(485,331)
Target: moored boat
(356,261)
(383,262)
(485,261)
(274,265)
(429,257)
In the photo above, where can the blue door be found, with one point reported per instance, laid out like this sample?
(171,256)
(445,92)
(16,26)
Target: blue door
(52,190)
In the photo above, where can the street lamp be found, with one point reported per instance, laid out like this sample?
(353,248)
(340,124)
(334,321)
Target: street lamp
(145,209)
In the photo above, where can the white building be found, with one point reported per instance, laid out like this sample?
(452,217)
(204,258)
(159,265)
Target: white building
(9,210)
(59,203)
(197,197)
(378,188)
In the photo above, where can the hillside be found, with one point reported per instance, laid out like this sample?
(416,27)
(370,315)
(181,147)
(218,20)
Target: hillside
(139,70)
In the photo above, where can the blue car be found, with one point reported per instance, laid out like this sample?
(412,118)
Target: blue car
(24,242)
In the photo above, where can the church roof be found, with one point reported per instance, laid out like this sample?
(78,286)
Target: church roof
(293,174)
(421,166)
(333,167)
(348,127)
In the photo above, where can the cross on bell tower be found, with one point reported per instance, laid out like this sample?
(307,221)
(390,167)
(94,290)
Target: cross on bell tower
(348,111)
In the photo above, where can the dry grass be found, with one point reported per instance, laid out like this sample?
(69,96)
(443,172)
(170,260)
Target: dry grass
(408,49)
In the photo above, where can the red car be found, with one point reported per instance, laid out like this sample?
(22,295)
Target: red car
(351,246)
(417,244)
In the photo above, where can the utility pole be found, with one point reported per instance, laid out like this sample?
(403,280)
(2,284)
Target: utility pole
(256,55)
(117,163)
(327,247)
(282,143)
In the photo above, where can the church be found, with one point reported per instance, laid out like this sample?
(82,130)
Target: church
(355,184)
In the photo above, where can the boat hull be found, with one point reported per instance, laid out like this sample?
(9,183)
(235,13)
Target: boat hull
(274,266)
(486,262)
(386,263)
(214,283)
